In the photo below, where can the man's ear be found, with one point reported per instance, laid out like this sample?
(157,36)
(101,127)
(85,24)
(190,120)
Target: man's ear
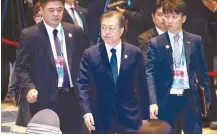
(122,30)
(184,18)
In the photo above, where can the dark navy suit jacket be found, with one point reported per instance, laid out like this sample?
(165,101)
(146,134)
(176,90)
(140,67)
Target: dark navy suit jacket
(35,66)
(35,69)
(100,96)
(159,67)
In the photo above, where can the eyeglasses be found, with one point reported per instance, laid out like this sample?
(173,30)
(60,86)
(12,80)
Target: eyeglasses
(109,28)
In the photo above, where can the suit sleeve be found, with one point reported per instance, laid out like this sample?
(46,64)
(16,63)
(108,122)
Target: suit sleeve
(142,87)
(23,65)
(83,84)
(201,71)
(151,72)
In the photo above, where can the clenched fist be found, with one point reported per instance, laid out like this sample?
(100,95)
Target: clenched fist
(32,96)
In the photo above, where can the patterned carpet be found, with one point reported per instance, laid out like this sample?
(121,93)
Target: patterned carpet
(8,116)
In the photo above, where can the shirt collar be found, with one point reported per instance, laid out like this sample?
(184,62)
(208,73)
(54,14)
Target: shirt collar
(117,47)
(67,6)
(171,35)
(159,31)
(50,29)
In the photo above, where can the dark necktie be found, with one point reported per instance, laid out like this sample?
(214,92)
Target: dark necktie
(114,66)
(66,83)
(74,17)
(177,51)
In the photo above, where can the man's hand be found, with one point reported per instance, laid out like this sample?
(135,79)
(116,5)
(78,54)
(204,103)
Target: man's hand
(153,111)
(120,10)
(210,4)
(89,121)
(32,96)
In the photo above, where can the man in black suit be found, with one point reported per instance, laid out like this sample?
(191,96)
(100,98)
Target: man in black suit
(160,27)
(47,65)
(174,59)
(75,15)
(111,74)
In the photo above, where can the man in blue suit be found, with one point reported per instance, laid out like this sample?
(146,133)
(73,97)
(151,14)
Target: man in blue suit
(111,74)
(47,65)
(174,59)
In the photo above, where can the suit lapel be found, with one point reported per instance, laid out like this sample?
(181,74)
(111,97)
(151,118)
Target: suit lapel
(168,49)
(79,14)
(105,60)
(68,44)
(187,46)
(47,44)
(67,17)
(81,17)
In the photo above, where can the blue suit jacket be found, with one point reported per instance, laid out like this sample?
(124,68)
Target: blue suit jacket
(99,95)
(159,67)
(35,66)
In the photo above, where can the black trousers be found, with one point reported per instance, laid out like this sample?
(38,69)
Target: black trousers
(67,108)
(182,113)
(23,115)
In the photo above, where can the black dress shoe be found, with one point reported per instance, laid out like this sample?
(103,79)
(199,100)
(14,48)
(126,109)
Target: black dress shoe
(213,125)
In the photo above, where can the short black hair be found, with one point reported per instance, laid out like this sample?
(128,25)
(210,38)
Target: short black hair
(177,6)
(44,2)
(114,13)
(158,4)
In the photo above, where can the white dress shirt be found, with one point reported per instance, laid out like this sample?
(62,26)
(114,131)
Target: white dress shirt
(61,37)
(182,67)
(159,31)
(118,49)
(68,8)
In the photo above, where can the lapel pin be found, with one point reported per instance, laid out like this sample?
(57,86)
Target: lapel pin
(167,46)
(70,35)
(188,42)
(125,56)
